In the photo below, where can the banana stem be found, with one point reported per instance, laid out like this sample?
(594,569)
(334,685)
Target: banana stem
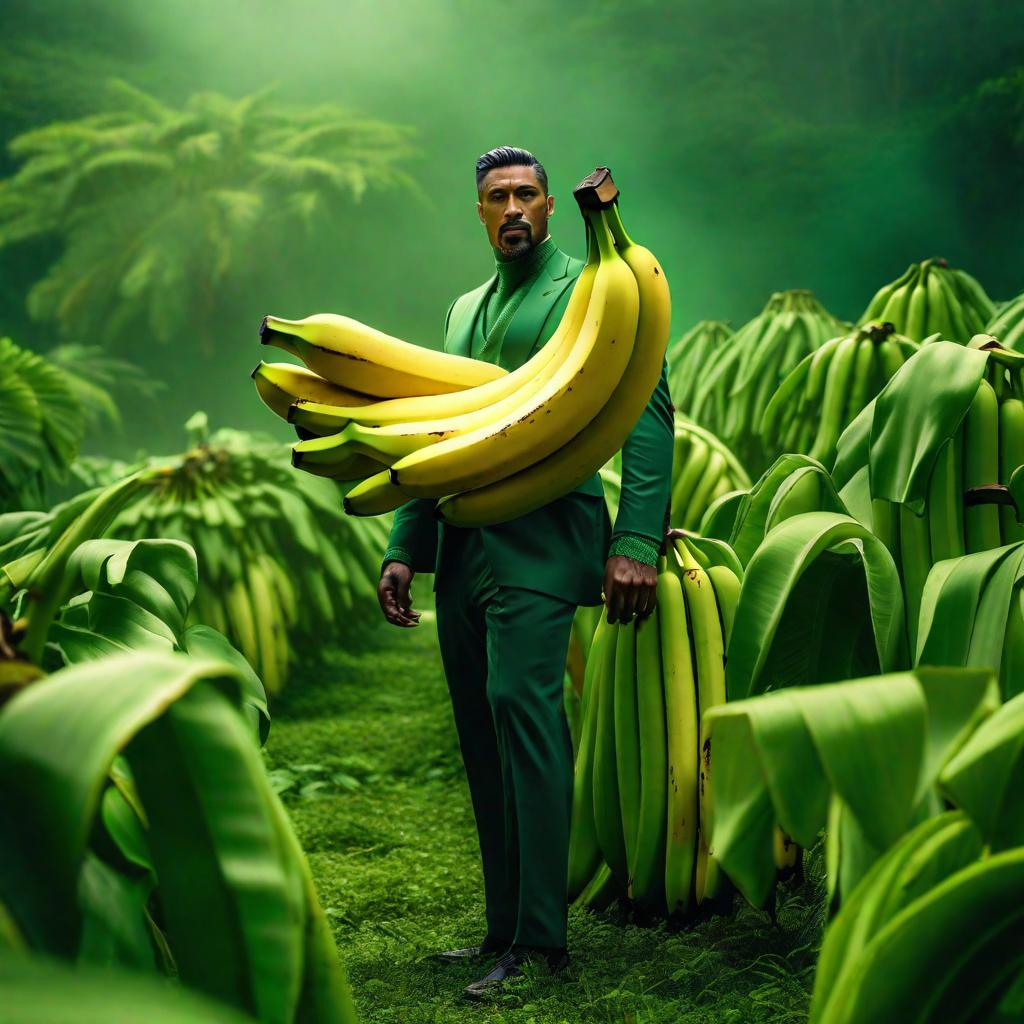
(622,240)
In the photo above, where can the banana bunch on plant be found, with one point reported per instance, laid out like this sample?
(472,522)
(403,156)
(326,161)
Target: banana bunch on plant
(1007,324)
(932,298)
(279,561)
(931,463)
(735,389)
(829,387)
(494,446)
(703,470)
(637,811)
(689,357)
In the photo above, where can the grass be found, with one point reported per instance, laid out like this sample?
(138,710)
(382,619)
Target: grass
(366,751)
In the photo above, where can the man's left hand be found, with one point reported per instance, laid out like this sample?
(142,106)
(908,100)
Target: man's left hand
(630,588)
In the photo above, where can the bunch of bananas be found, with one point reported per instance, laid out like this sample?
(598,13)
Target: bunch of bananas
(968,505)
(637,799)
(931,298)
(828,388)
(279,563)
(703,470)
(1007,324)
(734,391)
(688,358)
(491,445)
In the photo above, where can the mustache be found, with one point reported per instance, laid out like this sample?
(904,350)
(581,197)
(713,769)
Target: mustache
(514,224)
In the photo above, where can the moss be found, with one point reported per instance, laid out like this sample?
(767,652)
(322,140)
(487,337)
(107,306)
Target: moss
(389,830)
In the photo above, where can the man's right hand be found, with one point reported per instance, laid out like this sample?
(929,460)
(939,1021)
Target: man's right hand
(394,592)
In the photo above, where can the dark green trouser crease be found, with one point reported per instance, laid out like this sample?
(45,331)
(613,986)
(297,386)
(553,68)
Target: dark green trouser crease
(503,650)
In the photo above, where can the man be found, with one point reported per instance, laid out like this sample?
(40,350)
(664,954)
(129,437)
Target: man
(506,594)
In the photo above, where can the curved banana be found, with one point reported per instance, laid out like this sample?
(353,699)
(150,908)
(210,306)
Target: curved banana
(591,448)
(682,731)
(361,358)
(648,868)
(281,384)
(585,381)
(374,496)
(981,466)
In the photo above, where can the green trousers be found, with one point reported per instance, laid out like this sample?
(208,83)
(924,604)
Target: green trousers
(504,650)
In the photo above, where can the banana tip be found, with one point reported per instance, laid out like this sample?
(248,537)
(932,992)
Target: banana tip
(296,458)
(291,412)
(257,369)
(347,506)
(393,475)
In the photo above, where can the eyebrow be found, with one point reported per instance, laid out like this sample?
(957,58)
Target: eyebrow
(502,188)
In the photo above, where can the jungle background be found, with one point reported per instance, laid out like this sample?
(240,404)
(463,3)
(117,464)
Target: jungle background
(170,173)
(758,147)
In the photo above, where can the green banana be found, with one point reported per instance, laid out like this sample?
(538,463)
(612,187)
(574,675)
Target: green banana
(1011,455)
(584,853)
(648,869)
(981,466)
(607,815)
(945,503)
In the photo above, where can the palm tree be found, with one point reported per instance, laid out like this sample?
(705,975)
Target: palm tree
(160,210)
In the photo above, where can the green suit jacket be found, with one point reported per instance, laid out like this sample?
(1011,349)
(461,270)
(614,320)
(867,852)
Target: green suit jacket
(559,549)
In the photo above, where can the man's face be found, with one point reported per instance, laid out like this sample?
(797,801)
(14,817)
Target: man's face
(513,208)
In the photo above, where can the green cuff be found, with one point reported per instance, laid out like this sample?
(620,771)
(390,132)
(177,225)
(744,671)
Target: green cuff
(396,554)
(633,546)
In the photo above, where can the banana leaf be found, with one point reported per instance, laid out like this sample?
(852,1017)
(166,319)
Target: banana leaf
(40,990)
(986,776)
(949,957)
(755,515)
(899,434)
(918,862)
(820,596)
(877,745)
(233,886)
(965,607)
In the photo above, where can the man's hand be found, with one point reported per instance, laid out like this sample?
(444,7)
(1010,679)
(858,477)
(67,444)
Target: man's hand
(394,592)
(630,588)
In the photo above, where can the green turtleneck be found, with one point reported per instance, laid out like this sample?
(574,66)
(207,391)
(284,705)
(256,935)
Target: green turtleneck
(513,282)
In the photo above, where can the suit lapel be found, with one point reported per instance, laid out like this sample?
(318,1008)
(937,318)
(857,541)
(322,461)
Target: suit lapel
(459,337)
(521,333)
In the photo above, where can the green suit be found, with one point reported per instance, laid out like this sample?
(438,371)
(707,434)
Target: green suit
(506,596)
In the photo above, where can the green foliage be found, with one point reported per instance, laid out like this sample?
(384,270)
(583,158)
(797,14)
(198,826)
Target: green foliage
(161,209)
(398,870)
(118,845)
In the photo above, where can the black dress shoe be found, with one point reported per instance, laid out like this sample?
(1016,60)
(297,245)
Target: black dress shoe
(511,966)
(470,954)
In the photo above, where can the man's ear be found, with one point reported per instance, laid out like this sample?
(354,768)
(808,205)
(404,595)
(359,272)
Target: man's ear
(480,211)
(551,205)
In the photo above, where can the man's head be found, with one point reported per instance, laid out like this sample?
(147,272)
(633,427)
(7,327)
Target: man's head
(512,200)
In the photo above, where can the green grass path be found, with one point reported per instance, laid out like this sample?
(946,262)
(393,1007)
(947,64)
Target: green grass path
(378,795)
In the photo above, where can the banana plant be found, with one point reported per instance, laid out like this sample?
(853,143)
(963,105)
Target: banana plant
(1007,323)
(820,601)
(703,470)
(689,357)
(135,815)
(862,757)
(924,462)
(734,390)
(930,299)
(39,989)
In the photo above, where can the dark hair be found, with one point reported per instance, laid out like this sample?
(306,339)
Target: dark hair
(509,156)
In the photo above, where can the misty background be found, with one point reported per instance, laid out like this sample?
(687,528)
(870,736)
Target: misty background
(757,146)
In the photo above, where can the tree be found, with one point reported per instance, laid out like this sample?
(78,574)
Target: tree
(160,211)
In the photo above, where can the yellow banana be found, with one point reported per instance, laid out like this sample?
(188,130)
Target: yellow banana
(320,458)
(585,381)
(393,441)
(281,384)
(356,356)
(374,496)
(591,448)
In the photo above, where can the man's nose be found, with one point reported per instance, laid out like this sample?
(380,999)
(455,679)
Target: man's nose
(513,210)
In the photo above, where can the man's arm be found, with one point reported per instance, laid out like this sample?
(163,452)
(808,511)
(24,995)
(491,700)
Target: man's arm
(630,573)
